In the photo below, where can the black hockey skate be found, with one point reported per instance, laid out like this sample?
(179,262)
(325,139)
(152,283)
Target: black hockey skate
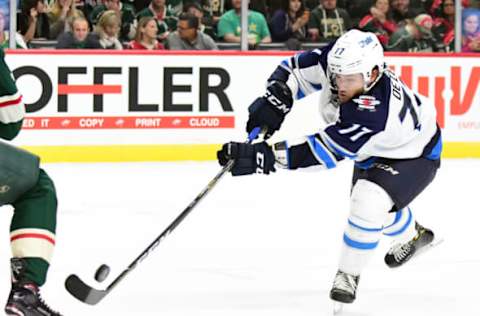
(24,299)
(401,253)
(344,287)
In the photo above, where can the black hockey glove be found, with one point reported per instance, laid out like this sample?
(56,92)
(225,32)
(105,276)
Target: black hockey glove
(270,110)
(257,158)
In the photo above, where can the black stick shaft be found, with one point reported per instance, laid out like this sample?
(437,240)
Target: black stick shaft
(172,226)
(179,218)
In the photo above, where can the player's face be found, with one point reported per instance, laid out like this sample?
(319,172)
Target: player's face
(349,86)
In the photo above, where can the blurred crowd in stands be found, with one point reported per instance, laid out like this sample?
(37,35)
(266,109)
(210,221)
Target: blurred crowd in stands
(401,25)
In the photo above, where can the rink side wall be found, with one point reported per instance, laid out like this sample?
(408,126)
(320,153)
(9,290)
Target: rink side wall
(104,106)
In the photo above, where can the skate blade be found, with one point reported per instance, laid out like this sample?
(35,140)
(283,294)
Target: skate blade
(337,308)
(436,241)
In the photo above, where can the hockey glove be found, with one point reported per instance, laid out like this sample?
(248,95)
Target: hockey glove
(270,110)
(257,158)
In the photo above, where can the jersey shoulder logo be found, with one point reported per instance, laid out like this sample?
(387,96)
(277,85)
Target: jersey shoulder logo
(367,102)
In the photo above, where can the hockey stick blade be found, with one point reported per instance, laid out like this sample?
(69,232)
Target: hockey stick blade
(86,294)
(83,292)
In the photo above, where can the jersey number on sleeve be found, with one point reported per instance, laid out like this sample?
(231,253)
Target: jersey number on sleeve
(358,131)
(410,107)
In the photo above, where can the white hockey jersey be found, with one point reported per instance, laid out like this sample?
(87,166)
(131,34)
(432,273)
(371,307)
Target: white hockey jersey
(389,121)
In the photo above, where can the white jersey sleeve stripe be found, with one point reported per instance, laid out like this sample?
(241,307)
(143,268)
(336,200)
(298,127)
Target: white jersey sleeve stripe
(321,153)
(339,150)
(12,109)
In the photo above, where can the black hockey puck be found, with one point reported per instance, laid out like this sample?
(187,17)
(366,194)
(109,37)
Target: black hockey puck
(102,273)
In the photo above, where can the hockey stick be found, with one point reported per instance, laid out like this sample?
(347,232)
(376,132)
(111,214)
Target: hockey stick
(89,295)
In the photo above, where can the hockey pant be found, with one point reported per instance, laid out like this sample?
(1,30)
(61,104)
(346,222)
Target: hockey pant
(32,230)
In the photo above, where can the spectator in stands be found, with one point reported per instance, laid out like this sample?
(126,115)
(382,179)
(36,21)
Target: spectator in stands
(357,9)
(32,21)
(229,27)
(422,6)
(146,36)
(176,6)
(289,24)
(165,18)
(471,30)
(435,8)
(415,36)
(138,4)
(125,11)
(60,13)
(471,4)
(206,25)
(327,22)
(86,6)
(188,37)
(262,6)
(379,22)
(444,25)
(3,25)
(214,9)
(401,11)
(107,29)
(4,33)
(79,37)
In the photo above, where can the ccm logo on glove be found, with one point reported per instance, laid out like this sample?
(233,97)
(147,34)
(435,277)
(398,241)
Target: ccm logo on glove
(257,158)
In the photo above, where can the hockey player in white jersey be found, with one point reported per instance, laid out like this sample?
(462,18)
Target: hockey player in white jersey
(374,119)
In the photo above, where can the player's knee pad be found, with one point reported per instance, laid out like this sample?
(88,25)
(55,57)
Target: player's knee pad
(369,208)
(369,203)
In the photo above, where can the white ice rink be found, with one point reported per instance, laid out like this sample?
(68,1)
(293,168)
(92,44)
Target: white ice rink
(256,246)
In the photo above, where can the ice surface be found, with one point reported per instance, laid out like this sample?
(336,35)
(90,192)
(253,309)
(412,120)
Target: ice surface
(259,245)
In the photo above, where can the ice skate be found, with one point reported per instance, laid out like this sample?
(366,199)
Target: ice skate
(402,252)
(344,287)
(24,298)
(343,291)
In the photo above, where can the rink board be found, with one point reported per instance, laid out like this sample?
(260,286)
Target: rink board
(164,106)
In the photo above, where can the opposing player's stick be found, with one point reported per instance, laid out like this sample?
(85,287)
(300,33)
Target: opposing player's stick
(92,296)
